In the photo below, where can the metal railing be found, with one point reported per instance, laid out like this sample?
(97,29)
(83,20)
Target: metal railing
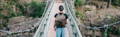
(42,25)
(71,13)
(73,18)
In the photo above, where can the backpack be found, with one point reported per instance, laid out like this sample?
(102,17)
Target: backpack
(61,19)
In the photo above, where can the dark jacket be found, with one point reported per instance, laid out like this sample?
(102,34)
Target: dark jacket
(61,19)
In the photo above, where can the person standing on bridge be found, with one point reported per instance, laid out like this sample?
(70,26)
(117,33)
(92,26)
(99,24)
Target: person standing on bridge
(60,22)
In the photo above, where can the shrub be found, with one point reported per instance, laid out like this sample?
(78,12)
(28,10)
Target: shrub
(80,15)
(37,9)
(79,2)
(116,2)
(113,30)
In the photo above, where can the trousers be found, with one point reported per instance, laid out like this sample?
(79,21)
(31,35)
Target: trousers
(60,32)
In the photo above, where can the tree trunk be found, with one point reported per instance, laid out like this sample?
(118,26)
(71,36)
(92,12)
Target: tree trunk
(109,3)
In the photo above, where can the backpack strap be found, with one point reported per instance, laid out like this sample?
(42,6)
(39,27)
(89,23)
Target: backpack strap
(66,16)
(55,15)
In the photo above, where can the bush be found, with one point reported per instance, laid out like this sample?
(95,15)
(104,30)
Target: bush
(1,9)
(80,15)
(113,30)
(4,20)
(79,2)
(116,2)
(33,9)
(37,9)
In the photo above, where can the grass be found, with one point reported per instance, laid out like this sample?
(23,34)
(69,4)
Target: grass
(79,3)
(38,9)
(80,15)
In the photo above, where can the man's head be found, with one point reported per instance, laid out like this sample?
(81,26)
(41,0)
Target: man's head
(61,8)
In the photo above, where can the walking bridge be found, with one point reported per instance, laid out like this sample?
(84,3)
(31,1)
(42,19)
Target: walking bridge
(46,28)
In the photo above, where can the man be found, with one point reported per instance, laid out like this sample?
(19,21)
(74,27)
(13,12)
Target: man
(60,22)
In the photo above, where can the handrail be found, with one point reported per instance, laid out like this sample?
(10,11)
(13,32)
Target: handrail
(48,21)
(40,30)
(76,32)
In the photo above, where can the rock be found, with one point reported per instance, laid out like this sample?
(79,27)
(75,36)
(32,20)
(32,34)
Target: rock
(98,33)
(89,8)
(16,20)
(4,12)
(24,1)
(91,14)
(27,23)
(111,35)
(101,16)
(2,21)
(2,34)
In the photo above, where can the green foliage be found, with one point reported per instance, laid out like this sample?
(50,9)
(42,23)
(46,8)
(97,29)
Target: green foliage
(35,9)
(114,19)
(1,9)
(3,24)
(113,30)
(38,9)
(8,6)
(116,2)
(3,16)
(106,32)
(79,2)
(80,15)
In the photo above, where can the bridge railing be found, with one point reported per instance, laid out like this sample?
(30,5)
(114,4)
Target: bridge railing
(43,22)
(72,18)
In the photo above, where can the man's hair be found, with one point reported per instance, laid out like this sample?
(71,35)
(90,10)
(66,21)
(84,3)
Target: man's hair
(61,8)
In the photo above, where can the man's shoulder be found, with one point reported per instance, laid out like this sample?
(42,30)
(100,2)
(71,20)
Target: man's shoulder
(62,14)
(66,15)
(56,14)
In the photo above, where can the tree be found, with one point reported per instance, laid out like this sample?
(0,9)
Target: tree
(109,3)
(115,2)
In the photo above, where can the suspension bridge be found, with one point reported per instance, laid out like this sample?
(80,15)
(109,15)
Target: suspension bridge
(46,28)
